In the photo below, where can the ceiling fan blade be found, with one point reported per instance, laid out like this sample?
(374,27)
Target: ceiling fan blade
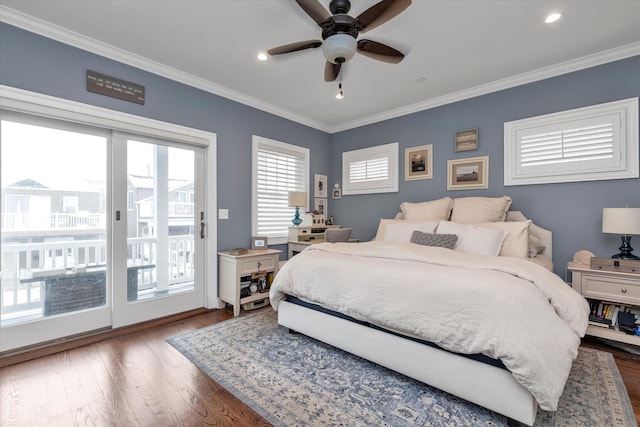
(331,71)
(294,47)
(379,51)
(380,13)
(315,10)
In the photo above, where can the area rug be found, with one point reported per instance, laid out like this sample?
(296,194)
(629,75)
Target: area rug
(294,380)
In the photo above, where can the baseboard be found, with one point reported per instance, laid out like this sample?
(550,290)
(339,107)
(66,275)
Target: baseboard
(68,343)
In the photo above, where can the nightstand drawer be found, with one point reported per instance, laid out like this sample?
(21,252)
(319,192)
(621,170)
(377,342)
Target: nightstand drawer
(625,291)
(258,264)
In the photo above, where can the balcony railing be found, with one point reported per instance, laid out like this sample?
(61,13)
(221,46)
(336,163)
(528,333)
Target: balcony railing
(22,262)
(35,221)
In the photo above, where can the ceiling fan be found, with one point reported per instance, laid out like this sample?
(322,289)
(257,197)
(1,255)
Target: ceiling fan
(340,31)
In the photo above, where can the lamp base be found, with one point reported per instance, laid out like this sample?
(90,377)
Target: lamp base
(296,221)
(625,249)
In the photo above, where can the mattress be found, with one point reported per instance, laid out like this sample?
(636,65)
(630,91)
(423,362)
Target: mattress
(477,357)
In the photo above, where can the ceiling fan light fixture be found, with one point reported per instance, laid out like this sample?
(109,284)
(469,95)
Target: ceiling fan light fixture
(340,94)
(339,48)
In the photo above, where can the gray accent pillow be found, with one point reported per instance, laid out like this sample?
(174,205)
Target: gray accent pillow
(439,240)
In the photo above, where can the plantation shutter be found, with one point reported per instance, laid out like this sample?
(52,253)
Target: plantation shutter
(586,144)
(370,170)
(279,168)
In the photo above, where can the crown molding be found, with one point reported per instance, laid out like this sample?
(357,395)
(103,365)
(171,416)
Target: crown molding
(622,52)
(63,35)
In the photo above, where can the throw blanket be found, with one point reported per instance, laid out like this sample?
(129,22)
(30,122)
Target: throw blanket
(506,308)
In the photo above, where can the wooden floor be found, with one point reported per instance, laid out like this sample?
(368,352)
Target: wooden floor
(140,380)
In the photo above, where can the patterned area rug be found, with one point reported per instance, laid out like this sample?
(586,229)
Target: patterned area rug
(293,380)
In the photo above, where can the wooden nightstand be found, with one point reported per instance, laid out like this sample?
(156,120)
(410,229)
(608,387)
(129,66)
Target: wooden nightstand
(608,286)
(237,271)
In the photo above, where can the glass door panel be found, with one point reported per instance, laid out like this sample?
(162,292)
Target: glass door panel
(54,225)
(162,228)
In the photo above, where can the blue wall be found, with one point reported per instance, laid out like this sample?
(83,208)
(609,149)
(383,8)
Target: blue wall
(38,64)
(573,211)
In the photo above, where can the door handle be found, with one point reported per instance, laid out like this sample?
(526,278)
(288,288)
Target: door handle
(202,225)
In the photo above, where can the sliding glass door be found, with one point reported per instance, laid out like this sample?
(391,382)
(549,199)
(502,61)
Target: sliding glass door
(99,229)
(54,259)
(162,226)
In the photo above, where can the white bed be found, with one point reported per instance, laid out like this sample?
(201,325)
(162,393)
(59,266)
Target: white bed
(326,275)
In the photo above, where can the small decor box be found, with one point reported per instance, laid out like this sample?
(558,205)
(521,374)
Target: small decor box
(238,251)
(614,264)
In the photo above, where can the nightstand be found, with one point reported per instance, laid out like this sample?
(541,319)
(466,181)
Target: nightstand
(615,287)
(238,271)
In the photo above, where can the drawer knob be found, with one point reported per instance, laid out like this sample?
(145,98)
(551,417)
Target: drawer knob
(624,290)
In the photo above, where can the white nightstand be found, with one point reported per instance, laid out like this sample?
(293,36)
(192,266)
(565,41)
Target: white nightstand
(237,270)
(609,286)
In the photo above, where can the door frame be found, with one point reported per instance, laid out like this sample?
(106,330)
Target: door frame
(32,103)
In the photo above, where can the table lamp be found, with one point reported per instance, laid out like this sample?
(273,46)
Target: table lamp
(624,221)
(297,199)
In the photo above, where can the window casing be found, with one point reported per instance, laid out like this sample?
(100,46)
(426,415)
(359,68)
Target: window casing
(370,170)
(278,168)
(586,144)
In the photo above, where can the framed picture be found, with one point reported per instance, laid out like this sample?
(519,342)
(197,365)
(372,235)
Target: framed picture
(467,174)
(337,193)
(320,205)
(418,163)
(258,242)
(320,185)
(466,140)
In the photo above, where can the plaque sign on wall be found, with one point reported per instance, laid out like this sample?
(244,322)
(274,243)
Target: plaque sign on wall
(115,88)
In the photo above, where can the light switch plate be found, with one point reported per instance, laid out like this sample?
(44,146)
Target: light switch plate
(223,213)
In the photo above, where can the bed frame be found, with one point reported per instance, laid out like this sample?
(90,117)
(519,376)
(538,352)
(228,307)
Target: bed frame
(488,386)
(483,384)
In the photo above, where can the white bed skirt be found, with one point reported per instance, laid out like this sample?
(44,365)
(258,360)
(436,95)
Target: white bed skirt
(485,385)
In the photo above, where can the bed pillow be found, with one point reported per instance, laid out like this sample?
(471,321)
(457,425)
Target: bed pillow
(433,210)
(401,229)
(535,246)
(438,240)
(480,209)
(516,243)
(474,239)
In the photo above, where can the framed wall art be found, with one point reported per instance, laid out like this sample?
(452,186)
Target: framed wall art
(320,185)
(467,174)
(466,140)
(418,163)
(337,193)
(258,242)
(320,205)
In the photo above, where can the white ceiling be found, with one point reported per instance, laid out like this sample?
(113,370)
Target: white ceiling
(455,49)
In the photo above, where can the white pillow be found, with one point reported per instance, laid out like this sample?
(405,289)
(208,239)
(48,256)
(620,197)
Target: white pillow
(474,239)
(391,230)
(516,244)
(428,211)
(480,209)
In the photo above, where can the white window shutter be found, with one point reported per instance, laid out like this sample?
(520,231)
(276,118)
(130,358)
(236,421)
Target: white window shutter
(278,168)
(587,144)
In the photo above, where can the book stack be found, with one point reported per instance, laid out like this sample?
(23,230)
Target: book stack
(605,314)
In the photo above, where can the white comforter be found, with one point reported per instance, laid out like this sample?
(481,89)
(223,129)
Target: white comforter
(506,308)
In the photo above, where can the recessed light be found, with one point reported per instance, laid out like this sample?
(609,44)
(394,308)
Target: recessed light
(552,17)
(262,56)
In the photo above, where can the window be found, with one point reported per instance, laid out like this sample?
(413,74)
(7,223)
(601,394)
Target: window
(370,170)
(69,204)
(277,169)
(586,144)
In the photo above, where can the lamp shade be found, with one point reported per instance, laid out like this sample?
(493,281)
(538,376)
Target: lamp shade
(621,220)
(297,199)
